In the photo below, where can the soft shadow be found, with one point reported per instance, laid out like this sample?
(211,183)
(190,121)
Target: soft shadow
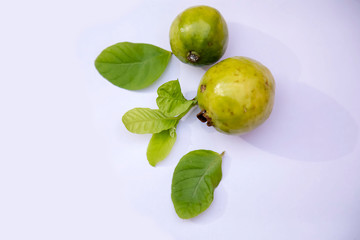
(305,124)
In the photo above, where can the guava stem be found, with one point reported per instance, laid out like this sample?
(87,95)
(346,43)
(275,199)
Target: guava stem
(203,117)
(222,154)
(187,110)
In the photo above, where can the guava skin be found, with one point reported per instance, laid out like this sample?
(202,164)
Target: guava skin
(236,95)
(199,36)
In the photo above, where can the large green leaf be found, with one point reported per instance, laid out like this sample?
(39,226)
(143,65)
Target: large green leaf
(195,178)
(160,145)
(170,100)
(146,120)
(132,65)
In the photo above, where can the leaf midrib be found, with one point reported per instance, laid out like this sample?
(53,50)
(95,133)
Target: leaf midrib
(132,63)
(155,119)
(202,177)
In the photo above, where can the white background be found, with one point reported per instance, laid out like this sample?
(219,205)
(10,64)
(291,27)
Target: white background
(70,170)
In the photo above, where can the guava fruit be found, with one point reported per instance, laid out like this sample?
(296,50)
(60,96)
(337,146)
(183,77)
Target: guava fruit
(236,95)
(199,36)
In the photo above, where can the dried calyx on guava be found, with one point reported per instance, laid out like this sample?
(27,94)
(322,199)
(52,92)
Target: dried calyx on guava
(236,95)
(199,36)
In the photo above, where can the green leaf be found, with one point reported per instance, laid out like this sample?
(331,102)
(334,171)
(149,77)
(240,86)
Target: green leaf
(170,100)
(195,178)
(132,65)
(160,146)
(146,120)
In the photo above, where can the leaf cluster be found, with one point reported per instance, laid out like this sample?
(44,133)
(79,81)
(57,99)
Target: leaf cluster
(135,66)
(160,122)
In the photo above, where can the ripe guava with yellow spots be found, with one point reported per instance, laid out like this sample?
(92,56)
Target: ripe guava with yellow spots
(236,95)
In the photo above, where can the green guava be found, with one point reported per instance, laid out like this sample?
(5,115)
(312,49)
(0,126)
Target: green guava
(236,95)
(199,36)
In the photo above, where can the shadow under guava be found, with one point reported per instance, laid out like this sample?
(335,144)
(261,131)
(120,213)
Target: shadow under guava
(305,124)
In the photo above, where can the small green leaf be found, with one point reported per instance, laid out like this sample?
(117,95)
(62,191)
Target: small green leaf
(146,120)
(170,100)
(160,146)
(132,66)
(195,178)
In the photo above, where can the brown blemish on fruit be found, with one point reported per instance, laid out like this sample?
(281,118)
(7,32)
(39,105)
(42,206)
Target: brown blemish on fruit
(202,88)
(210,44)
(245,109)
